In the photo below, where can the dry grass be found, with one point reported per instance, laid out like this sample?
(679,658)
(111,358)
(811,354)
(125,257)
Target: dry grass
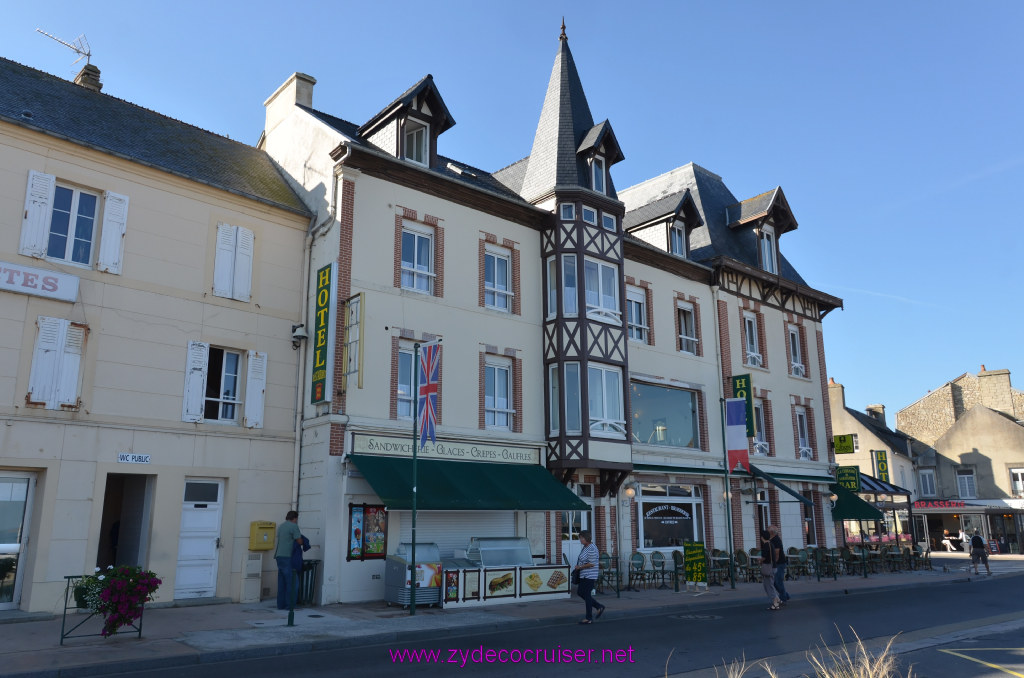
(854,660)
(847,660)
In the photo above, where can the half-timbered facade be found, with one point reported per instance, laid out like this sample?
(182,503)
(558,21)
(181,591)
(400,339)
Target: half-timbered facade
(587,332)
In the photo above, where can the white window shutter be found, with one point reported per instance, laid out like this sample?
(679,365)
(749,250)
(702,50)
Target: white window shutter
(242,284)
(195,381)
(255,388)
(45,360)
(224,263)
(38,209)
(115,221)
(70,364)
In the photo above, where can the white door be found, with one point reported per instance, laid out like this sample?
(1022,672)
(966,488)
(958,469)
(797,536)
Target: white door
(16,490)
(199,539)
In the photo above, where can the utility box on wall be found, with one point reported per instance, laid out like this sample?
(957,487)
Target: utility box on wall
(261,535)
(252,578)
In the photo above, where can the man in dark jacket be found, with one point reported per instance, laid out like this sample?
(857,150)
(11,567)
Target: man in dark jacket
(779,556)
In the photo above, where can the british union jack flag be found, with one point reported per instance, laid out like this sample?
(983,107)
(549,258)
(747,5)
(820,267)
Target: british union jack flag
(430,371)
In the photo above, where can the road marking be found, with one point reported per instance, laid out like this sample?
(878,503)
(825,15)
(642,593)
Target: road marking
(984,663)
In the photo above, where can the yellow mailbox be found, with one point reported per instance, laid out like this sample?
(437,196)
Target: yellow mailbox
(261,535)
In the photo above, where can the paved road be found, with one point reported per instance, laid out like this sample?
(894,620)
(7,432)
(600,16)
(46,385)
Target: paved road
(994,655)
(642,646)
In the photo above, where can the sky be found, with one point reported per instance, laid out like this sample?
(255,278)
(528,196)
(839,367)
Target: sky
(895,129)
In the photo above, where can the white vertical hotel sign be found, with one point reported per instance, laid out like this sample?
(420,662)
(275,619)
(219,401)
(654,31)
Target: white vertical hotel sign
(324,318)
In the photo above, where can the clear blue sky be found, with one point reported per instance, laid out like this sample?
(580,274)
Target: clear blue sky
(894,128)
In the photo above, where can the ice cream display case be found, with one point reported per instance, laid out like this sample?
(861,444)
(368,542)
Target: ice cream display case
(498,570)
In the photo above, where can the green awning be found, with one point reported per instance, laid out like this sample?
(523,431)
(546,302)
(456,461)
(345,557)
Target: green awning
(779,484)
(465,485)
(851,507)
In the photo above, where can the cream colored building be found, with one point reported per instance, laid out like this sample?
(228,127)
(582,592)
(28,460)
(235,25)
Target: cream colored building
(150,277)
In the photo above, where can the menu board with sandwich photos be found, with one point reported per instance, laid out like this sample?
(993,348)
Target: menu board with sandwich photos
(368,530)
(499,583)
(537,580)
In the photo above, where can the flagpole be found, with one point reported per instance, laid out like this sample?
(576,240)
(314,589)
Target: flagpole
(728,498)
(415,442)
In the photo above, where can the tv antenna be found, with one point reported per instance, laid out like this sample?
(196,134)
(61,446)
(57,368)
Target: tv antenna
(80,46)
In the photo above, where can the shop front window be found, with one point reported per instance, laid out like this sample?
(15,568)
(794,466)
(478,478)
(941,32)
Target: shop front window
(670,515)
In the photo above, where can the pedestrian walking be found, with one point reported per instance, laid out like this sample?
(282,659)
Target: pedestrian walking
(288,535)
(979,552)
(588,569)
(781,560)
(768,571)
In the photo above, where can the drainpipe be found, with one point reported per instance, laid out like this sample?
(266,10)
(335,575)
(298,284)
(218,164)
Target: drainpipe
(312,232)
(725,450)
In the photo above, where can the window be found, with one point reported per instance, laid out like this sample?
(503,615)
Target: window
(965,484)
(761,445)
(552,287)
(927,477)
(597,168)
(677,239)
(353,346)
(232,267)
(602,291)
(766,239)
(807,513)
(1017,482)
(856,443)
(416,138)
(670,515)
(796,353)
(417,259)
(498,393)
(570,293)
(605,400)
(764,517)
(60,223)
(567,212)
(56,364)
(403,393)
(573,399)
(554,399)
(687,329)
(609,222)
(804,450)
(752,353)
(664,416)
(590,215)
(496,280)
(636,314)
(213,385)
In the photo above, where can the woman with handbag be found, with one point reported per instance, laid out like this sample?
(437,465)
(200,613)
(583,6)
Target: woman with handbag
(768,570)
(585,574)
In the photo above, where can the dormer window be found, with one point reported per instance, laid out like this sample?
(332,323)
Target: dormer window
(597,169)
(416,138)
(766,241)
(677,238)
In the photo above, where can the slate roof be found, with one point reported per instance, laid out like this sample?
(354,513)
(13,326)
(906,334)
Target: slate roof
(712,197)
(662,207)
(565,120)
(759,206)
(894,440)
(36,100)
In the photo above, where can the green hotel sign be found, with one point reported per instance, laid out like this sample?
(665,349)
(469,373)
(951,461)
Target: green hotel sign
(322,339)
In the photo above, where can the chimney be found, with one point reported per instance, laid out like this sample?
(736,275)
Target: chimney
(877,412)
(996,393)
(836,396)
(296,90)
(89,78)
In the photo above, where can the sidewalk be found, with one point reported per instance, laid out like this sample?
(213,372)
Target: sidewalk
(186,635)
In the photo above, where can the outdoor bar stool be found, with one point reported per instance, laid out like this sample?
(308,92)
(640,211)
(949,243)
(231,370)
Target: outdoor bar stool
(658,568)
(637,570)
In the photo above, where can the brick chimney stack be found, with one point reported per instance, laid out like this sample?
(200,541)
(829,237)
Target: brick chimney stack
(995,391)
(89,77)
(877,412)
